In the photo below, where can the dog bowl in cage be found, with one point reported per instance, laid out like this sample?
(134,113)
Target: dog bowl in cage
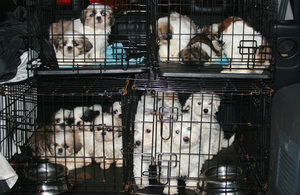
(48,178)
(225,179)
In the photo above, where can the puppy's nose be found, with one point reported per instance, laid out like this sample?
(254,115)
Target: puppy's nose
(98,18)
(120,115)
(70,48)
(103,133)
(138,143)
(186,139)
(60,151)
(78,123)
(205,110)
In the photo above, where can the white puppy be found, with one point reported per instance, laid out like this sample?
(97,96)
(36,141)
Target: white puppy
(248,49)
(82,118)
(174,34)
(116,109)
(202,107)
(61,116)
(191,144)
(108,132)
(95,23)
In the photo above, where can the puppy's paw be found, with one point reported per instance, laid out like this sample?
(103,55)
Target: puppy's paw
(105,165)
(172,190)
(119,163)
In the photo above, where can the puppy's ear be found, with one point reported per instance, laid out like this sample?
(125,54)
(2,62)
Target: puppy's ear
(83,16)
(112,19)
(56,41)
(77,144)
(88,45)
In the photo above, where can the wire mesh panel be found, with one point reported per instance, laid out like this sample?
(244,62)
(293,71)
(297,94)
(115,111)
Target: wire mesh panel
(207,140)
(218,38)
(66,135)
(90,36)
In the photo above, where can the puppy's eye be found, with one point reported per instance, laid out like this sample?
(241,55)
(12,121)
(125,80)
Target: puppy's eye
(99,128)
(116,112)
(92,15)
(76,44)
(189,128)
(209,103)
(109,129)
(57,120)
(55,144)
(103,13)
(65,43)
(177,131)
(148,131)
(199,103)
(66,146)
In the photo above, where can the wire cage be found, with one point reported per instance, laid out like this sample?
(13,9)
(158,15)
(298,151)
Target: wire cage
(89,36)
(203,137)
(66,135)
(215,38)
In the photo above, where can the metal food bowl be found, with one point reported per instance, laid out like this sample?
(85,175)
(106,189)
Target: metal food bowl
(49,178)
(225,179)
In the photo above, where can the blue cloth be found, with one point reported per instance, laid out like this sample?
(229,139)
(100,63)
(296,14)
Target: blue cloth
(115,56)
(222,61)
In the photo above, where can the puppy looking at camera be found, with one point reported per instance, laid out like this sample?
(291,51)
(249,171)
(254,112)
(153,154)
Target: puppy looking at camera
(95,23)
(174,33)
(202,107)
(185,153)
(82,118)
(104,144)
(58,145)
(72,45)
(61,117)
(247,49)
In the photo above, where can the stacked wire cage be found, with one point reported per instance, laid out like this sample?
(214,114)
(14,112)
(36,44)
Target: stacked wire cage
(219,38)
(163,99)
(66,135)
(200,137)
(90,37)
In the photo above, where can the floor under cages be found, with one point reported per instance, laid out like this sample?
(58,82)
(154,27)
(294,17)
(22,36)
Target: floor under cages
(125,136)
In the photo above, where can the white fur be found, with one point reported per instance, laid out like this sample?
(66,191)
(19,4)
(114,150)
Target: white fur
(97,32)
(202,106)
(61,116)
(65,151)
(183,30)
(192,143)
(108,134)
(231,37)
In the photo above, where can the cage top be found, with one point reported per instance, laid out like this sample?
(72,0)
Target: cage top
(237,86)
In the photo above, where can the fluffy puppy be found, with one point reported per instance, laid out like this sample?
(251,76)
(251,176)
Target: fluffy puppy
(201,50)
(191,144)
(95,23)
(147,141)
(202,107)
(116,109)
(58,146)
(72,45)
(108,135)
(82,118)
(174,34)
(61,117)
(247,49)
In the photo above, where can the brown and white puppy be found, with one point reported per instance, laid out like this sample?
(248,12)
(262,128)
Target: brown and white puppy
(247,49)
(72,45)
(174,32)
(52,140)
(95,23)
(202,50)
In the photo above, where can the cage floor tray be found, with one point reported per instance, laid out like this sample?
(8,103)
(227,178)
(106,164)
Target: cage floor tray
(193,71)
